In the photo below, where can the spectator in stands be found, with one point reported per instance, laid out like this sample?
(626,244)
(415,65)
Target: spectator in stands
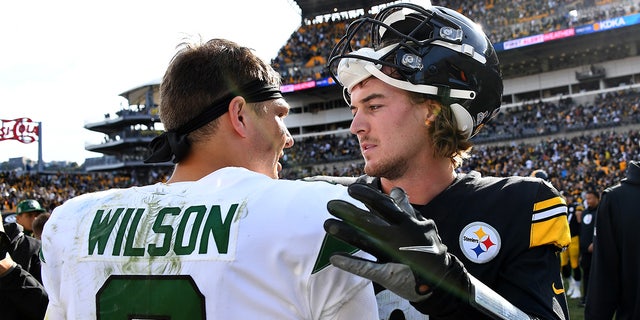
(501,20)
(429,82)
(27,211)
(614,279)
(344,158)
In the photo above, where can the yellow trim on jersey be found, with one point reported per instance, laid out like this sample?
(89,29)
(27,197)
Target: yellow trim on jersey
(544,215)
(549,203)
(554,231)
(549,224)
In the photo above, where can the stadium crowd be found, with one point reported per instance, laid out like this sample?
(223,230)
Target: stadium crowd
(582,146)
(534,119)
(51,190)
(591,159)
(303,56)
(615,108)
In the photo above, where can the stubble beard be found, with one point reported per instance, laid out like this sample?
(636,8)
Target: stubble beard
(391,168)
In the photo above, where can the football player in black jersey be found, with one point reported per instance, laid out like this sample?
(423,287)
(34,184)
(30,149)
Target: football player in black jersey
(570,258)
(457,245)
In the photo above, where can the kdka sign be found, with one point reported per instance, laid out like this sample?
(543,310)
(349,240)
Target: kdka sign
(21,129)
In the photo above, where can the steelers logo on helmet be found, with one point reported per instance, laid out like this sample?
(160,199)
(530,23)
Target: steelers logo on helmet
(480,242)
(432,50)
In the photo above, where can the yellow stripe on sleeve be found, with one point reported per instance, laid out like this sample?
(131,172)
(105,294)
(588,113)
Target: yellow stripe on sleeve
(549,203)
(554,231)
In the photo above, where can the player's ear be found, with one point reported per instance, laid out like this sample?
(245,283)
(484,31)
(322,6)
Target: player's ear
(237,114)
(432,111)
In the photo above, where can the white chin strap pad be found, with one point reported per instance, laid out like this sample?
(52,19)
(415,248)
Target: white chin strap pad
(352,70)
(463,118)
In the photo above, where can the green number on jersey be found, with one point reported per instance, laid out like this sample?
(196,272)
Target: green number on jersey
(150,297)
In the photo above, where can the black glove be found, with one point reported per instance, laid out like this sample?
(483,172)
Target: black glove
(411,259)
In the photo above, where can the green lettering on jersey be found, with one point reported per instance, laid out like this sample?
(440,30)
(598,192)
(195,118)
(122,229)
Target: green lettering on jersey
(121,229)
(331,245)
(129,240)
(179,248)
(167,230)
(129,249)
(101,228)
(220,230)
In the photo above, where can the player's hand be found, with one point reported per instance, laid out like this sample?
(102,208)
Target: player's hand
(411,261)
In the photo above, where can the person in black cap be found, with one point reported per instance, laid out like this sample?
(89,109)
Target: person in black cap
(26,211)
(615,281)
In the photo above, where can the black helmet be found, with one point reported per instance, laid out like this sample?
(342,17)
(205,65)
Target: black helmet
(435,50)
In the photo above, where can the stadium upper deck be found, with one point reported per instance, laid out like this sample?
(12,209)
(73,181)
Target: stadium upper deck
(565,59)
(509,24)
(577,48)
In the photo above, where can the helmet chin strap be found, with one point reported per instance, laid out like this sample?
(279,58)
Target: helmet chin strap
(463,118)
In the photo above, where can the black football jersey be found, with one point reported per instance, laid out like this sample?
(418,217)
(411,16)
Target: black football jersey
(508,233)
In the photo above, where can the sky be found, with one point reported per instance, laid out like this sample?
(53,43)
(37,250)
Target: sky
(64,63)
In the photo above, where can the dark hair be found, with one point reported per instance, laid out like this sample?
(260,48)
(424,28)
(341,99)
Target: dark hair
(200,73)
(39,222)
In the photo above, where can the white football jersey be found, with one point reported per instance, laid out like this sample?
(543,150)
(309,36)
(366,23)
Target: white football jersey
(232,245)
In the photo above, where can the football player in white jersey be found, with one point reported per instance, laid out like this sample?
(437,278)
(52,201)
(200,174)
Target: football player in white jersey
(222,238)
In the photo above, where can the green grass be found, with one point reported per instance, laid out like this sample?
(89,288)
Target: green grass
(575,312)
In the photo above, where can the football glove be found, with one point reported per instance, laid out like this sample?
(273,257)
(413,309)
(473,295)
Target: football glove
(411,261)
(407,246)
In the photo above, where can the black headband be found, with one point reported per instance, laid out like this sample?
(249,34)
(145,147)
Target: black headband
(173,145)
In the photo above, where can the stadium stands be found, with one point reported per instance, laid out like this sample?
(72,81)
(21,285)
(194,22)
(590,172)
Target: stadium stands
(579,141)
(300,59)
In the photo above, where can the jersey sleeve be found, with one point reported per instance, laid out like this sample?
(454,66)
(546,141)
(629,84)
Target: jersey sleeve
(338,294)
(356,293)
(51,264)
(536,271)
(549,224)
